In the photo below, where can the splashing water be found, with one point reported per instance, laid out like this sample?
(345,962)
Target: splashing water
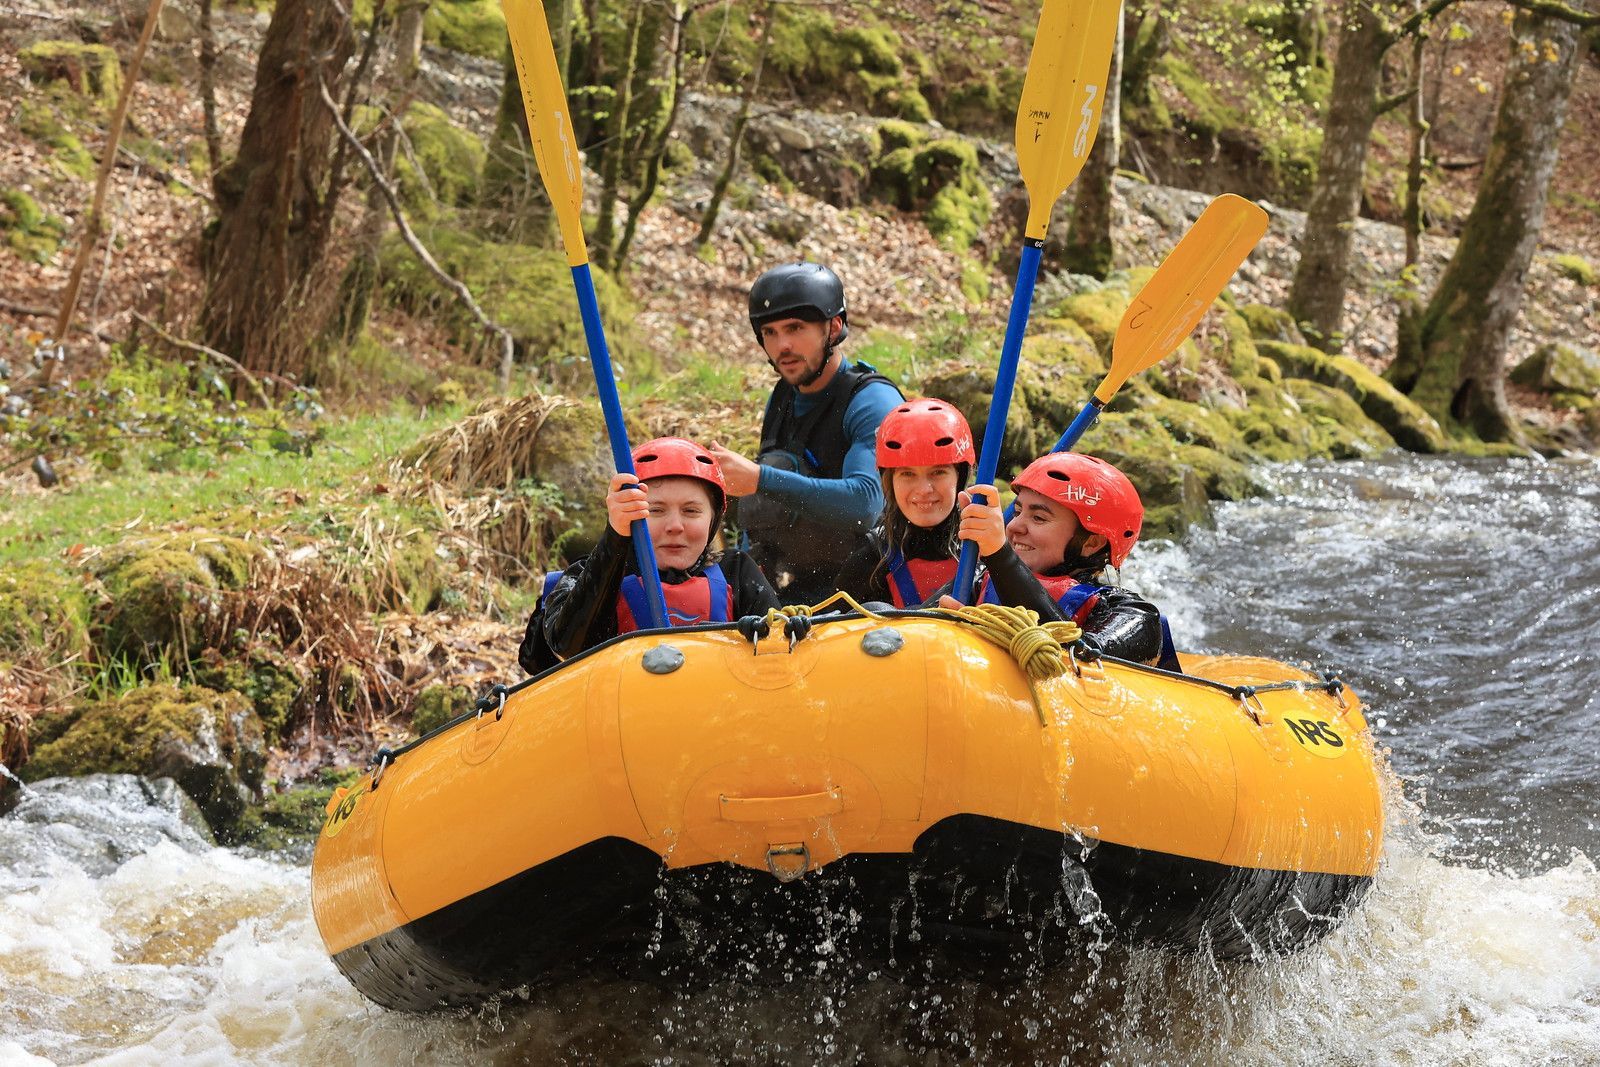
(127,938)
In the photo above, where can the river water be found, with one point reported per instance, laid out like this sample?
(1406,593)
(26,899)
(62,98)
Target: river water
(1461,599)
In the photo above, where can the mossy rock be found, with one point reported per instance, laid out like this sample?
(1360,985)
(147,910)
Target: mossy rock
(477,27)
(451,159)
(1233,346)
(1560,368)
(30,231)
(1574,401)
(528,290)
(860,65)
(938,176)
(43,120)
(210,743)
(572,453)
(160,591)
(1193,424)
(1099,312)
(437,705)
(1575,268)
(44,614)
(291,818)
(1411,427)
(271,681)
(1342,429)
(1271,324)
(91,70)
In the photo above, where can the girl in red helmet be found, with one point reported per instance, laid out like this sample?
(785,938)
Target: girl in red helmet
(1075,515)
(678,489)
(924,454)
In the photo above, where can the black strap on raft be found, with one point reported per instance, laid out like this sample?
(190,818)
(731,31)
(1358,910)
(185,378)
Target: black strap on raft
(494,697)
(380,759)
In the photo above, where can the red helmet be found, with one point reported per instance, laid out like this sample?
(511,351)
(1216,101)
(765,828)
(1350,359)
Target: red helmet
(924,433)
(1101,496)
(674,457)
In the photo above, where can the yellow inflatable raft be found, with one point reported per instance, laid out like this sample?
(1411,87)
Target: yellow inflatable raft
(903,769)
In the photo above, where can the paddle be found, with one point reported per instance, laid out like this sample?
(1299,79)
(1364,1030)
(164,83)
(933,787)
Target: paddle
(556,152)
(1057,120)
(1170,304)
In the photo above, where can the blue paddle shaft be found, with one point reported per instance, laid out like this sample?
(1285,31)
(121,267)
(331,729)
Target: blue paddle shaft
(1005,380)
(605,384)
(1091,411)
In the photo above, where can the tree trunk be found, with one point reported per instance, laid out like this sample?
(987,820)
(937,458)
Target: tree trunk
(361,277)
(708,221)
(616,144)
(1455,365)
(1088,248)
(208,93)
(1418,153)
(1316,299)
(266,293)
(663,133)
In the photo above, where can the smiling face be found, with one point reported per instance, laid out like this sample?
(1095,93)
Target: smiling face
(681,517)
(797,349)
(1040,531)
(925,495)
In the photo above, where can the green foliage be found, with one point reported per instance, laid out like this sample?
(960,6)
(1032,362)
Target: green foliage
(1575,268)
(528,290)
(477,27)
(158,413)
(939,177)
(161,590)
(29,230)
(292,818)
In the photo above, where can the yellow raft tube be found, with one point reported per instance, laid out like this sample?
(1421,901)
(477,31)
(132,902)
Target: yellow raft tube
(899,768)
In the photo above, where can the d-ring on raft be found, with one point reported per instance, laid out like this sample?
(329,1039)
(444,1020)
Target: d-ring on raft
(1235,808)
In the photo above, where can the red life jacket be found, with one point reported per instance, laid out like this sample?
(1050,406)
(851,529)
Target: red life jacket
(1076,599)
(913,581)
(704,598)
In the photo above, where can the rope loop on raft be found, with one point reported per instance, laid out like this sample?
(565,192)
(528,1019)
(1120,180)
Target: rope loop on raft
(1042,650)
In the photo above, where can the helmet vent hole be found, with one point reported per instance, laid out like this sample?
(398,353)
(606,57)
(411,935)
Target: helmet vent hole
(703,459)
(1058,476)
(892,444)
(649,459)
(943,441)
(903,409)
(1127,533)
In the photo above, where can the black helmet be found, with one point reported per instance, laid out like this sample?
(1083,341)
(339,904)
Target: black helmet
(807,291)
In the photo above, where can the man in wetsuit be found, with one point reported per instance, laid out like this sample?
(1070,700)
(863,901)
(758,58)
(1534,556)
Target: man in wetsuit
(807,502)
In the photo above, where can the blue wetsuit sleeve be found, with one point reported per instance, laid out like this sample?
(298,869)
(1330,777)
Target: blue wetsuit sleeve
(853,500)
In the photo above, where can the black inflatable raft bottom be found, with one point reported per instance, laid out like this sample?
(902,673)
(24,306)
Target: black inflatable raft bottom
(978,892)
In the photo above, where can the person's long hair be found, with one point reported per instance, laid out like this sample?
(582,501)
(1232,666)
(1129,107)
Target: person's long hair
(897,529)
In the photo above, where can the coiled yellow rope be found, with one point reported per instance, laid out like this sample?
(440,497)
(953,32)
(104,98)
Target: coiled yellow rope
(1039,648)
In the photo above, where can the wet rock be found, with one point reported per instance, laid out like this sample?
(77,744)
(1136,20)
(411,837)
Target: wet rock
(210,743)
(97,822)
(1558,368)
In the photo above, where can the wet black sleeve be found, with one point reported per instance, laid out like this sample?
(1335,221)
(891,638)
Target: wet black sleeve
(581,611)
(752,593)
(1016,585)
(536,655)
(1126,625)
(859,571)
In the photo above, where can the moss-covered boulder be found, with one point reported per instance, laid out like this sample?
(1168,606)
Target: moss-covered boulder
(291,817)
(860,65)
(1271,324)
(937,176)
(477,27)
(1575,268)
(1411,427)
(528,290)
(437,705)
(29,230)
(210,743)
(1560,368)
(1341,429)
(90,70)
(44,614)
(270,680)
(451,161)
(161,592)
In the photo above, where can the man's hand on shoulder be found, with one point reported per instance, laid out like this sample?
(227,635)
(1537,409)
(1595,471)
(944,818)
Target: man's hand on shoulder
(742,476)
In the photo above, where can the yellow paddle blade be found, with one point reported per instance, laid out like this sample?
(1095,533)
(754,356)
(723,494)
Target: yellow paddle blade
(1059,113)
(1183,287)
(549,121)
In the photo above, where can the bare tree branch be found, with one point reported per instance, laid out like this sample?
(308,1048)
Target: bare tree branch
(1557,10)
(507,346)
(46,313)
(226,360)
